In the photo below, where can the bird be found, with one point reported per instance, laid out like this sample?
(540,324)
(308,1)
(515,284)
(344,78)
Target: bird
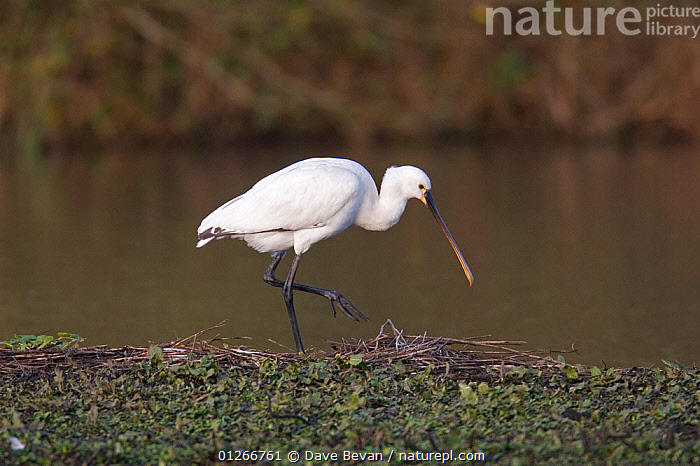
(312,200)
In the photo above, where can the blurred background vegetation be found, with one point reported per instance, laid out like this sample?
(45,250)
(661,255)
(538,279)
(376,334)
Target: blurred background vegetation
(162,72)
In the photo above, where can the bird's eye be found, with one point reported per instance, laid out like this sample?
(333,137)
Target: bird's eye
(421,186)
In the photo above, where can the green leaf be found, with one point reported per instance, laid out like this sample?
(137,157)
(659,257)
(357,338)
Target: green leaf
(669,364)
(400,367)
(69,340)
(355,360)
(44,341)
(570,372)
(483,388)
(468,394)
(155,354)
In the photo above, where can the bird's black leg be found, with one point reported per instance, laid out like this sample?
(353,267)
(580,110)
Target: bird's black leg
(289,300)
(335,298)
(269,275)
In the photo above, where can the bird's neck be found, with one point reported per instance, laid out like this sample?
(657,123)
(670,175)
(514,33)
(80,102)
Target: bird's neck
(382,211)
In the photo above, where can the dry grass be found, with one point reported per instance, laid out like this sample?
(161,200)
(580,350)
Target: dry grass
(460,357)
(464,358)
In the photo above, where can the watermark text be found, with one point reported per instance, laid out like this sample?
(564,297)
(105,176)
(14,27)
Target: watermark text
(629,21)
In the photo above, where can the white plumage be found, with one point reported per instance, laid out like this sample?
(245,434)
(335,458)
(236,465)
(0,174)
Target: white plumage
(295,207)
(310,201)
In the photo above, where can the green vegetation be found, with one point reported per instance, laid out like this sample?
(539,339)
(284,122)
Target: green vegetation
(158,72)
(37,342)
(161,412)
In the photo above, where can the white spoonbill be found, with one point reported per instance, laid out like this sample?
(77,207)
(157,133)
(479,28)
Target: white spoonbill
(310,201)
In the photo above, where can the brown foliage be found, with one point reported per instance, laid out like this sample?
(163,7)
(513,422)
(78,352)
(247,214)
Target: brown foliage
(156,71)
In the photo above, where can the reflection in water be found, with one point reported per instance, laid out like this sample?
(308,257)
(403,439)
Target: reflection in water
(592,248)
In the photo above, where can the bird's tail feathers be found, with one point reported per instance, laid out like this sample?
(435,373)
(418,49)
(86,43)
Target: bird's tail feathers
(202,242)
(207,235)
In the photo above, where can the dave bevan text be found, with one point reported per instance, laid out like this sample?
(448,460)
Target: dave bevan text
(443,457)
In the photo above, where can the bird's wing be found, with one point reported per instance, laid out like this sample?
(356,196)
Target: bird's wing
(298,197)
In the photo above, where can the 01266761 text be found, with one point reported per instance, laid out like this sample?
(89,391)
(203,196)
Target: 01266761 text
(250,455)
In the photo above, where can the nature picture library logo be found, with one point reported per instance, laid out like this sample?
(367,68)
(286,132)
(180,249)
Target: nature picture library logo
(659,19)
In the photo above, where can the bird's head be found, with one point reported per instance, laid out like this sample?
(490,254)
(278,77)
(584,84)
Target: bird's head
(414,183)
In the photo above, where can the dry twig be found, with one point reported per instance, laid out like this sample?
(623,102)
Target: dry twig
(460,357)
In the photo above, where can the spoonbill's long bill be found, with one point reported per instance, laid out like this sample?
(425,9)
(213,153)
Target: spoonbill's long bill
(310,201)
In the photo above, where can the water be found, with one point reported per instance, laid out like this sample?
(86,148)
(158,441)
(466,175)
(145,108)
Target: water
(586,247)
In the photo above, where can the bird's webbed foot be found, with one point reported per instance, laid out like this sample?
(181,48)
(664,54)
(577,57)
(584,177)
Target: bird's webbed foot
(346,307)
